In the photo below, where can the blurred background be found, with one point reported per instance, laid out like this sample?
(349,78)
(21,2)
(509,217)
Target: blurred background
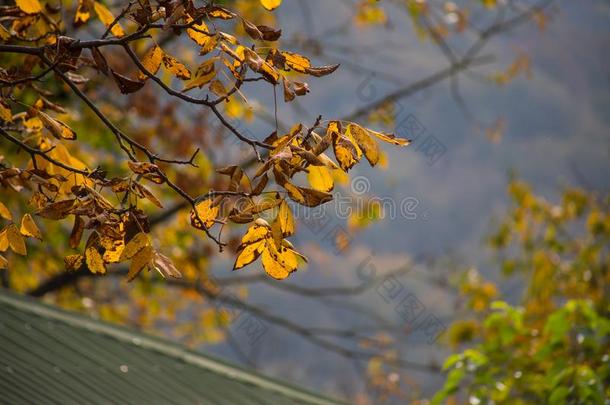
(536,107)
(491,93)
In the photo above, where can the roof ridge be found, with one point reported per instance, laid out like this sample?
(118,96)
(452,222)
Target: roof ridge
(160,345)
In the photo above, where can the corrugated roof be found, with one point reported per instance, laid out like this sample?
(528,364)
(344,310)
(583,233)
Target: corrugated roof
(48,355)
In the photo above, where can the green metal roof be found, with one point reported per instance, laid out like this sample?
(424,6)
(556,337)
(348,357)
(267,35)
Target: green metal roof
(48,355)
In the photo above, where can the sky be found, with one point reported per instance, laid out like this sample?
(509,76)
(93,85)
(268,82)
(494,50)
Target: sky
(557,122)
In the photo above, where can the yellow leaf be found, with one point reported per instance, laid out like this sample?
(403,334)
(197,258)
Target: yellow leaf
(289,258)
(218,88)
(289,246)
(255,233)
(15,240)
(345,152)
(57,210)
(33,124)
(29,6)
(141,260)
(107,18)
(5,112)
(203,75)
(82,14)
(220,12)
(383,160)
(259,65)
(271,4)
(204,211)
(278,263)
(327,161)
(29,228)
(57,128)
(276,233)
(391,138)
(73,262)
(320,179)
(3,240)
(286,220)
(297,62)
(114,252)
(301,64)
(248,253)
(3,262)
(274,268)
(94,260)
(238,110)
(201,35)
(4,212)
(4,33)
(370,14)
(341,241)
(177,68)
(139,242)
(151,61)
(366,143)
(340,177)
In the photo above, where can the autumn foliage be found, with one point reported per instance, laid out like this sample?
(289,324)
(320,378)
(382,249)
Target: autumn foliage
(57,58)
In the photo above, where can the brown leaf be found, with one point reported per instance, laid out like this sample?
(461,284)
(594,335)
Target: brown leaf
(165,267)
(252,30)
(150,196)
(260,186)
(269,33)
(257,64)
(307,196)
(142,167)
(236,175)
(126,85)
(15,240)
(57,210)
(100,60)
(77,231)
(322,70)
(289,93)
(300,88)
